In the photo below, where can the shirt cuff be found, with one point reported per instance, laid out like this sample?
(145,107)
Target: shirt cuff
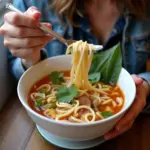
(43,55)
(18,68)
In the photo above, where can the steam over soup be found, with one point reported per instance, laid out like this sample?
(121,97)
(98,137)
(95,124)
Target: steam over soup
(75,95)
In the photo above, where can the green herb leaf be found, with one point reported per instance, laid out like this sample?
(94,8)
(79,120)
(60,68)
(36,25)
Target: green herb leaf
(106,114)
(38,102)
(94,77)
(56,77)
(109,64)
(66,95)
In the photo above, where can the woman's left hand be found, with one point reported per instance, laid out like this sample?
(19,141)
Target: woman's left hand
(127,121)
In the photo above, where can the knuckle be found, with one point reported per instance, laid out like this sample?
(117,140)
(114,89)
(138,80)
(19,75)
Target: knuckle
(2,31)
(6,16)
(6,43)
(3,28)
(15,18)
(20,32)
(27,42)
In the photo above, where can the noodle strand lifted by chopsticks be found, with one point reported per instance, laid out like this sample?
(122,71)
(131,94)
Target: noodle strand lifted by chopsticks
(82,54)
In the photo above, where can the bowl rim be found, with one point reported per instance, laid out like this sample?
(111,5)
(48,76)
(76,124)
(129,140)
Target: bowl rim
(44,118)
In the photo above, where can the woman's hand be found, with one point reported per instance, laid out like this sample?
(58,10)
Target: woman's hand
(142,90)
(22,35)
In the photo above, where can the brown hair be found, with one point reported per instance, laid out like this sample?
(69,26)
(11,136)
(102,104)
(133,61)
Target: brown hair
(71,8)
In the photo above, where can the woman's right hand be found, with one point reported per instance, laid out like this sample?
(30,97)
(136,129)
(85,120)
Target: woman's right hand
(23,37)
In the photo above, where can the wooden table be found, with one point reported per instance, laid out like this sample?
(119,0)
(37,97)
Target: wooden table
(18,132)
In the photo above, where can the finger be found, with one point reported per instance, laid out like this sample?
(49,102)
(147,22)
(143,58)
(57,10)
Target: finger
(26,42)
(18,19)
(33,12)
(20,32)
(133,112)
(47,25)
(137,80)
(114,133)
(25,53)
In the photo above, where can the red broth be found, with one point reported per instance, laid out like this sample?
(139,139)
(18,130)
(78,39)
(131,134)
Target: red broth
(46,80)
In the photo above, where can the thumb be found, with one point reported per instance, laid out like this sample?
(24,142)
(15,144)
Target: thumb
(33,12)
(137,80)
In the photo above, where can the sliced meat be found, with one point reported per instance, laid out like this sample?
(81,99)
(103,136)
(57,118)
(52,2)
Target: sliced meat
(85,100)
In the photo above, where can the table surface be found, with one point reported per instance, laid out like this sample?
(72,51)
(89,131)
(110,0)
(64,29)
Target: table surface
(18,132)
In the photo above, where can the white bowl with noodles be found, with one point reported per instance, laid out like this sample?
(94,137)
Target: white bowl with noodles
(71,131)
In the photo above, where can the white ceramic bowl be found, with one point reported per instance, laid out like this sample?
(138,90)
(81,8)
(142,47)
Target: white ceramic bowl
(71,131)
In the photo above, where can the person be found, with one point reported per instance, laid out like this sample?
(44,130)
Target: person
(95,21)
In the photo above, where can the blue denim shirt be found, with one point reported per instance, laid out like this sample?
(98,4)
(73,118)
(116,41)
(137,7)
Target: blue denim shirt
(133,34)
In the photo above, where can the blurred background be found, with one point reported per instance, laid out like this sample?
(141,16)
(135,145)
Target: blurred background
(2,9)
(6,84)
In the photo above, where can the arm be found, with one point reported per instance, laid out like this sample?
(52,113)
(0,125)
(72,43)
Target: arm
(27,44)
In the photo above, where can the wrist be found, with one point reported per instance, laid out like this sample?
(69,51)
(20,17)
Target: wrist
(33,59)
(28,63)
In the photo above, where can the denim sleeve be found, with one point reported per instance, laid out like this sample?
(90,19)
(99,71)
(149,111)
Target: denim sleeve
(15,64)
(21,5)
(146,76)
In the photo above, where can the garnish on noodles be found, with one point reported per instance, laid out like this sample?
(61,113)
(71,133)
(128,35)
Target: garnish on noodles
(86,93)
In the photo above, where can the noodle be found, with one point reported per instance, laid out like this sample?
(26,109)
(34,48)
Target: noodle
(73,119)
(82,58)
(87,108)
(93,100)
(37,95)
(59,117)
(46,87)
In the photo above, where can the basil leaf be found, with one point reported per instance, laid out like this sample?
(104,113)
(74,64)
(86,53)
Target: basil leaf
(66,95)
(106,114)
(94,77)
(112,68)
(56,77)
(109,64)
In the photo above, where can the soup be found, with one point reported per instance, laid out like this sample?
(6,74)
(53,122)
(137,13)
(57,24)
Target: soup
(76,95)
(86,107)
